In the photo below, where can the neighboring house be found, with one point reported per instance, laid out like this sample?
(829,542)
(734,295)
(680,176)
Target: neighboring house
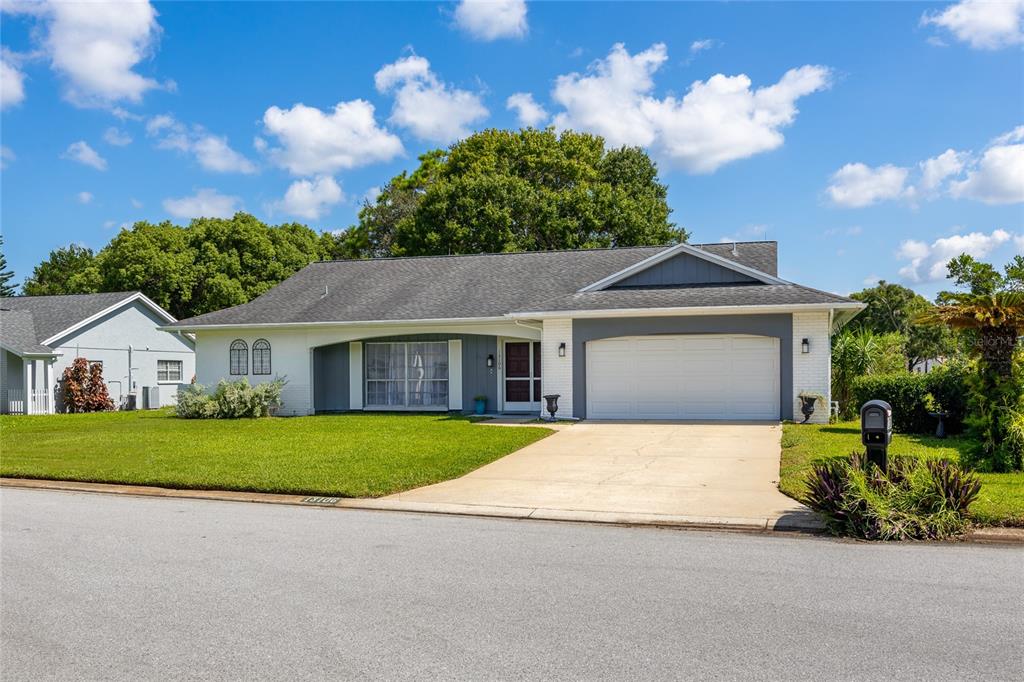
(680,332)
(926,366)
(41,335)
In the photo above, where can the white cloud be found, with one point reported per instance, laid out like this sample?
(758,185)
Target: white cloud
(96,46)
(84,197)
(205,203)
(934,171)
(136,203)
(718,121)
(431,109)
(117,137)
(211,151)
(310,199)
(982,24)
(608,99)
(82,153)
(371,194)
(997,178)
(927,262)
(6,156)
(214,154)
(856,185)
(701,45)
(492,19)
(12,84)
(529,112)
(313,141)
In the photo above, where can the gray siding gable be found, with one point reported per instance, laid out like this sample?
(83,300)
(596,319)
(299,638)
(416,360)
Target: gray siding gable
(681,270)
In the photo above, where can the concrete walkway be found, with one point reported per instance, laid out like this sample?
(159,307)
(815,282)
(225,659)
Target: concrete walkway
(695,470)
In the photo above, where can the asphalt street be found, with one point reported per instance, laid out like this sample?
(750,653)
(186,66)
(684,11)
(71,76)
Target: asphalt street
(109,587)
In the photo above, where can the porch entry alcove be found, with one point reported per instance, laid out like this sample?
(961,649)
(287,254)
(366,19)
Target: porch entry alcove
(428,372)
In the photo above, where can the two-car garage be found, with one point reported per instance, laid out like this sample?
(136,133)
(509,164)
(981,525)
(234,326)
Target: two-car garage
(698,376)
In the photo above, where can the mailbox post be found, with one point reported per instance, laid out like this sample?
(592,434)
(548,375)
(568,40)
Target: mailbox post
(876,431)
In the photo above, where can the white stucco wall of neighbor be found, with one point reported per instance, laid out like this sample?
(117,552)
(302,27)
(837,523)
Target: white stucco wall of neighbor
(812,372)
(556,372)
(107,340)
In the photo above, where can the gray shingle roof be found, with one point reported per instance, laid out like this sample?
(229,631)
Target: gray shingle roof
(763,256)
(53,314)
(481,286)
(18,333)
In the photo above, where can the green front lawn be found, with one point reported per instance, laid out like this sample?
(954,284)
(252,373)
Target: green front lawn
(1001,501)
(357,455)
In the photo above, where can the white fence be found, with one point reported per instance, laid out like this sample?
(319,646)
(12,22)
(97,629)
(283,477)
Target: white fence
(12,401)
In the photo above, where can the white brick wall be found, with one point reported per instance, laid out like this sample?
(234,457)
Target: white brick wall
(556,372)
(812,372)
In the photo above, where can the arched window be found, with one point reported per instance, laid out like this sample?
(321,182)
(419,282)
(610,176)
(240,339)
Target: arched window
(261,357)
(239,357)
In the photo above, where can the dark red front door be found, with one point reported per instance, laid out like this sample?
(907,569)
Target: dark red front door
(517,372)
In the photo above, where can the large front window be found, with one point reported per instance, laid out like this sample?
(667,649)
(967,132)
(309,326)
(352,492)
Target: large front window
(407,375)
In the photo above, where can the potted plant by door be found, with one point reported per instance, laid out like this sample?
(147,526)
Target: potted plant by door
(808,401)
(480,404)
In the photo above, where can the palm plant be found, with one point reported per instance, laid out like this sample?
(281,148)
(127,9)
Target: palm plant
(998,319)
(996,395)
(853,355)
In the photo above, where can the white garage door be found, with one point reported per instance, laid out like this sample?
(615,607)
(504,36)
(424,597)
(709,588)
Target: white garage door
(683,377)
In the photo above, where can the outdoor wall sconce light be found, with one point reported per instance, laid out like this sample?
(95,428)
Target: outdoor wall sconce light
(805,346)
(490,361)
(561,350)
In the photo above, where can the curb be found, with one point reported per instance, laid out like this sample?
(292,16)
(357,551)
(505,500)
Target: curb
(800,524)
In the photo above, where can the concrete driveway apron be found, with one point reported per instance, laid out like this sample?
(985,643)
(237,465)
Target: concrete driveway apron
(711,469)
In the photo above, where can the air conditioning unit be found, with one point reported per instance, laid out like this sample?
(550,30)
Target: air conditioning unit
(150,397)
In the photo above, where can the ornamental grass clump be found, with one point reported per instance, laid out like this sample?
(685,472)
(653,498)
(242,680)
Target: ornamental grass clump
(914,500)
(230,400)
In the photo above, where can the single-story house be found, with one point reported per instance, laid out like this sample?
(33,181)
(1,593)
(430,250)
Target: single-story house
(687,331)
(42,335)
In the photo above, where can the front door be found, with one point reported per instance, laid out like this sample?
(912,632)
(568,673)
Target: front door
(522,376)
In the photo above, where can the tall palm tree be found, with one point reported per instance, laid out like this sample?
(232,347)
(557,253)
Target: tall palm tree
(998,319)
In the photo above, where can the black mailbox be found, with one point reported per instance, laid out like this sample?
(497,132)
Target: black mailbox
(876,430)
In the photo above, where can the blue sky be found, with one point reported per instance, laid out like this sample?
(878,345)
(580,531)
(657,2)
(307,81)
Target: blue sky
(872,140)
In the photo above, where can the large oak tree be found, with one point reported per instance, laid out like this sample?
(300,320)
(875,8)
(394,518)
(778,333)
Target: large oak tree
(526,190)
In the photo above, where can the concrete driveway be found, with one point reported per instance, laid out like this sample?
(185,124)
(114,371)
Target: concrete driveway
(706,470)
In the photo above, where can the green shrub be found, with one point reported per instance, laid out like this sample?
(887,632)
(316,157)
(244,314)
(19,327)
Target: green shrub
(913,396)
(193,402)
(230,400)
(915,500)
(948,386)
(905,392)
(994,405)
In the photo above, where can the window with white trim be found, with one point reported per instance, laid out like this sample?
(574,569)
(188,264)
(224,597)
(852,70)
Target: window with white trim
(168,370)
(410,375)
(239,356)
(261,356)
